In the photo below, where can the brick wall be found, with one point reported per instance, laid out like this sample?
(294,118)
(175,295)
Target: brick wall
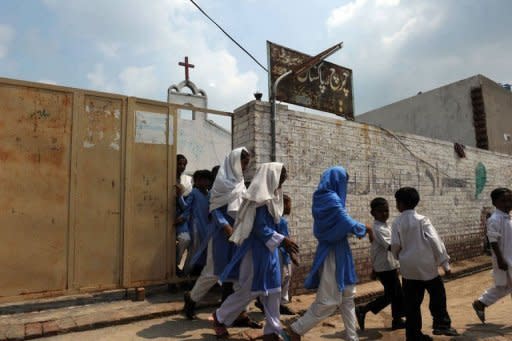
(454,192)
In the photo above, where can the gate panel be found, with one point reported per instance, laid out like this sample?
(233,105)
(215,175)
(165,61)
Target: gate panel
(150,160)
(97,230)
(35,134)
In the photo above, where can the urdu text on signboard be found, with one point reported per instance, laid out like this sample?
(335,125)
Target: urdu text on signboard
(325,86)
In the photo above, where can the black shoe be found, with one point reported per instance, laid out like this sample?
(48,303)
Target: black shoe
(398,324)
(259,305)
(426,338)
(189,308)
(448,331)
(360,314)
(479,308)
(286,310)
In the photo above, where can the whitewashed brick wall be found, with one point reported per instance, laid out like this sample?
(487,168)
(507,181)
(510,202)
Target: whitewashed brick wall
(378,165)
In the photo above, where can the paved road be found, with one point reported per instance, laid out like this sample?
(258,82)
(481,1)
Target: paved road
(460,293)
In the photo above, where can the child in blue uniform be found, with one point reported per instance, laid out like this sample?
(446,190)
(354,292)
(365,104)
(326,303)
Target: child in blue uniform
(333,273)
(196,214)
(258,255)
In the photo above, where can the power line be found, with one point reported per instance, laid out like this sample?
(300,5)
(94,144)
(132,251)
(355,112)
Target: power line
(230,37)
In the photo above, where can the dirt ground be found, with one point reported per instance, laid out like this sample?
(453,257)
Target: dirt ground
(460,292)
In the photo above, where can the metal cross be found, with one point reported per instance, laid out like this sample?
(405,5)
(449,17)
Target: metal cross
(187,66)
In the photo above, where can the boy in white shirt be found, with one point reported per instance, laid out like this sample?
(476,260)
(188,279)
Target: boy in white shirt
(499,232)
(385,267)
(420,250)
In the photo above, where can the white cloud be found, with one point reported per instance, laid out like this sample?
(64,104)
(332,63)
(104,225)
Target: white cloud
(401,34)
(140,46)
(109,50)
(6,35)
(140,80)
(387,3)
(345,13)
(98,79)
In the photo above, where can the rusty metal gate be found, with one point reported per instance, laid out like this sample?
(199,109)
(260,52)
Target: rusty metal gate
(86,190)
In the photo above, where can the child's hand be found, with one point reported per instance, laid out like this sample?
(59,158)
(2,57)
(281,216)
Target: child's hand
(295,258)
(179,190)
(290,246)
(369,231)
(179,221)
(228,230)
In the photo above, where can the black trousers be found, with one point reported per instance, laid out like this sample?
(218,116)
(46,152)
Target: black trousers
(392,295)
(414,291)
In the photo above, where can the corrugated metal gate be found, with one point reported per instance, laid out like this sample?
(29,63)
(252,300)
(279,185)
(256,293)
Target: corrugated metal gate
(86,190)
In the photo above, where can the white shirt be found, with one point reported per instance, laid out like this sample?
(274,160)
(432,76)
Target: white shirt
(499,230)
(418,247)
(382,258)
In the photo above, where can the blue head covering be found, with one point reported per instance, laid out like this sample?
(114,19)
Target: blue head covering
(331,226)
(329,205)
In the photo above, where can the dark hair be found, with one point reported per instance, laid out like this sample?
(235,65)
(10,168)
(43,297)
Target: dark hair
(286,197)
(408,196)
(378,202)
(202,174)
(497,193)
(244,155)
(180,157)
(214,172)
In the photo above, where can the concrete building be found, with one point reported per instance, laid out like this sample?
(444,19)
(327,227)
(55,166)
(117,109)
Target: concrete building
(476,112)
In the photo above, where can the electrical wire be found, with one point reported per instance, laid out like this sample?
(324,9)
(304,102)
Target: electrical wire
(230,37)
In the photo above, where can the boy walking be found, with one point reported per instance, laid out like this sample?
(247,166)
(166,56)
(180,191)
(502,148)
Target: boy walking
(385,267)
(499,232)
(420,250)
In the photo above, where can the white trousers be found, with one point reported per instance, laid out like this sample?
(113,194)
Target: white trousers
(238,301)
(286,276)
(492,295)
(328,299)
(183,244)
(207,279)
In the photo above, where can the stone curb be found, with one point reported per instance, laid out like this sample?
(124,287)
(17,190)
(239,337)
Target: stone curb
(65,325)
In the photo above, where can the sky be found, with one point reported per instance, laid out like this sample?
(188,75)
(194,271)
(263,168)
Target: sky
(395,48)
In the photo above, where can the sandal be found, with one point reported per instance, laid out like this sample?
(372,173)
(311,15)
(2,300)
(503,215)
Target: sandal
(220,329)
(243,320)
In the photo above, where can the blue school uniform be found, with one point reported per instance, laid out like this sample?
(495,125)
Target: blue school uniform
(332,226)
(223,249)
(181,206)
(266,267)
(282,228)
(196,214)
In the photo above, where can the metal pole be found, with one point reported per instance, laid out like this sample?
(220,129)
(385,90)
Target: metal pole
(273,109)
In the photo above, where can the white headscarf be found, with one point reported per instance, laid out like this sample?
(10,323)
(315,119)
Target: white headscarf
(186,184)
(262,191)
(229,184)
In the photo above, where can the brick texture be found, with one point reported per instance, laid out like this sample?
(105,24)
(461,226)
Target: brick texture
(379,162)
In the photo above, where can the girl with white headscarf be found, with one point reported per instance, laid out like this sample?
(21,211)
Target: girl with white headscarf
(255,232)
(225,199)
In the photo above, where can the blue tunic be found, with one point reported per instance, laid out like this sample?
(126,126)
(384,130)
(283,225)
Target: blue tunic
(282,228)
(196,214)
(332,226)
(223,249)
(181,206)
(266,267)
